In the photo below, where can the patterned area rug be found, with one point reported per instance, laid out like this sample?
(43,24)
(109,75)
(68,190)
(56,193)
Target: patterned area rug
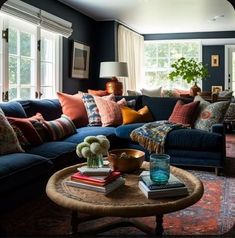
(214,214)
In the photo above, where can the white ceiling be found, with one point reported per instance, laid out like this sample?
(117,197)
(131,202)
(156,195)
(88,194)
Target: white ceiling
(161,16)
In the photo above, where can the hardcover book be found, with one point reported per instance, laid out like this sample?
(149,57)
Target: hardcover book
(160,193)
(173,182)
(103,189)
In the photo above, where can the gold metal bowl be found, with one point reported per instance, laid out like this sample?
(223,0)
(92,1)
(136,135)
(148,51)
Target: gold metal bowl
(126,165)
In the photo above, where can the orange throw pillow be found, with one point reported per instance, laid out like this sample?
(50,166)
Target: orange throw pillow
(73,107)
(99,93)
(131,116)
(184,113)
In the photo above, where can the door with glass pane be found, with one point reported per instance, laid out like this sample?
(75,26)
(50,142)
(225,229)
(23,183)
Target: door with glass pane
(231,68)
(22,61)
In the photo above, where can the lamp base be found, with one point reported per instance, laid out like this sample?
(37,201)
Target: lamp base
(114,87)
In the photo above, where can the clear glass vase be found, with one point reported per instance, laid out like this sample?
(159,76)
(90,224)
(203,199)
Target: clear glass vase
(95,161)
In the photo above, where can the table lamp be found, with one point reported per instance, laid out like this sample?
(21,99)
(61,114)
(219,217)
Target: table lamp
(113,70)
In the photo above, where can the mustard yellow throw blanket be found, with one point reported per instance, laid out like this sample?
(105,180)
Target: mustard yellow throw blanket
(152,135)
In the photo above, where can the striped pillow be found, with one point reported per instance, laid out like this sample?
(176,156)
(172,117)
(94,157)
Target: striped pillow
(60,127)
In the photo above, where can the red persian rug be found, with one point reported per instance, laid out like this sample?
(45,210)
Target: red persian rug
(214,214)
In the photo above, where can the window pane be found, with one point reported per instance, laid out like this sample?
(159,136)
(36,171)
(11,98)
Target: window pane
(163,50)
(12,41)
(175,50)
(46,74)
(47,92)
(46,49)
(12,70)
(25,93)
(12,93)
(25,44)
(163,63)
(25,71)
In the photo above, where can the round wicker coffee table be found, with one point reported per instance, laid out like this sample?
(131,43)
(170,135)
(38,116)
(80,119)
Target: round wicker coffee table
(126,202)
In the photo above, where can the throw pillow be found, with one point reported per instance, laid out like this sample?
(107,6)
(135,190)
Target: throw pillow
(184,113)
(60,127)
(226,93)
(110,111)
(230,114)
(152,93)
(131,103)
(210,113)
(131,116)
(99,93)
(8,139)
(73,107)
(133,93)
(24,143)
(27,129)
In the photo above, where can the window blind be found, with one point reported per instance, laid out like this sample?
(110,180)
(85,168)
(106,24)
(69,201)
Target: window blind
(37,16)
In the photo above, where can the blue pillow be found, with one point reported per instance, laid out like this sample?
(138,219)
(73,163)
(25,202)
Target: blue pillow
(13,109)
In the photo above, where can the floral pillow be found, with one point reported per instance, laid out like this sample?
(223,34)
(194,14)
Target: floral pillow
(8,139)
(210,114)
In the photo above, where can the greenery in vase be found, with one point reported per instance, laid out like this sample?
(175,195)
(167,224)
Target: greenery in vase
(93,146)
(189,69)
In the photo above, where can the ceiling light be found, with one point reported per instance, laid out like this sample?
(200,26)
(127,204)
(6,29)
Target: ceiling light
(215,18)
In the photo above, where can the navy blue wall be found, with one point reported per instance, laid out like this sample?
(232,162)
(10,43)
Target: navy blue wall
(216,73)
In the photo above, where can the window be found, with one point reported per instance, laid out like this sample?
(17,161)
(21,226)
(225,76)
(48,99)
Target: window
(159,55)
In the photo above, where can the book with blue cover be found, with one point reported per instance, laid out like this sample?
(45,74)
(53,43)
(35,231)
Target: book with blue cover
(173,182)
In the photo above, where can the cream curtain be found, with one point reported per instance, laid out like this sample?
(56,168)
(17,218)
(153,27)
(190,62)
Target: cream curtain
(131,50)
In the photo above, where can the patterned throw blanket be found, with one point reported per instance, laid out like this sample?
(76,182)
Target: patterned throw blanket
(152,135)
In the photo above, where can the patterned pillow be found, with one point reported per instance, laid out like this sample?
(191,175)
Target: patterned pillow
(131,116)
(230,114)
(184,113)
(110,111)
(60,127)
(211,114)
(73,107)
(24,143)
(8,139)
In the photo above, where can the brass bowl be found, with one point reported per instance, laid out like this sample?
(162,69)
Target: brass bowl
(126,165)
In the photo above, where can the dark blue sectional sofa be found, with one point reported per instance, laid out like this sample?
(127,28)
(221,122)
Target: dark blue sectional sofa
(24,175)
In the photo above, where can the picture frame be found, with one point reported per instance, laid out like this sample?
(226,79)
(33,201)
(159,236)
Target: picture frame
(80,60)
(216,89)
(214,60)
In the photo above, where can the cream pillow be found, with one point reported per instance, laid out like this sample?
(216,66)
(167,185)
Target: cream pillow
(152,92)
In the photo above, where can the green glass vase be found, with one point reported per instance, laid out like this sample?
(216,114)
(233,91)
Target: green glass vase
(95,161)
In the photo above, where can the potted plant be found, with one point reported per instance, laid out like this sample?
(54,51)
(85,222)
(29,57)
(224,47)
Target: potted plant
(191,71)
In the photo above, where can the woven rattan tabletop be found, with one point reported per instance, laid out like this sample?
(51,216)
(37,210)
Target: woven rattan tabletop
(126,201)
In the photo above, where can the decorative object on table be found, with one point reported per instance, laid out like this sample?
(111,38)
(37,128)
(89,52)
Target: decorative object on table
(80,61)
(216,89)
(160,168)
(214,60)
(93,148)
(114,70)
(191,71)
(126,160)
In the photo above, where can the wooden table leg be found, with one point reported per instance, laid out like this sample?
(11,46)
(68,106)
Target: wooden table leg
(74,222)
(159,225)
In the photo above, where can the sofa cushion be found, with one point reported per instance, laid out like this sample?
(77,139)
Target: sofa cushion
(49,108)
(8,139)
(90,131)
(152,92)
(18,169)
(184,113)
(193,139)
(160,107)
(124,131)
(13,109)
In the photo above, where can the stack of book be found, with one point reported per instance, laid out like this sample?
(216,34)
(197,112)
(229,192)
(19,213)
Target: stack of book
(102,180)
(151,189)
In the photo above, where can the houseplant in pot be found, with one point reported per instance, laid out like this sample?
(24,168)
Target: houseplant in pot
(189,70)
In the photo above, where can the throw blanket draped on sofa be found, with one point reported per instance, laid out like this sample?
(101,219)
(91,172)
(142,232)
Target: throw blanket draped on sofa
(152,135)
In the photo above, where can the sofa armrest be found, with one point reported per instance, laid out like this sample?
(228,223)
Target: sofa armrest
(218,128)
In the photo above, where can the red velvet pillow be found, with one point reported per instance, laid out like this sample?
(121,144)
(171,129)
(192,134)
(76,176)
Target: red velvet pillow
(73,107)
(184,113)
(27,129)
(99,93)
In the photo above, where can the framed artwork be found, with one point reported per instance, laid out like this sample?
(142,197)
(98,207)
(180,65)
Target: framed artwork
(214,60)
(216,89)
(80,60)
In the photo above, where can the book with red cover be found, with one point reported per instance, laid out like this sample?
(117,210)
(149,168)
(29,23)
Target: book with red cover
(95,180)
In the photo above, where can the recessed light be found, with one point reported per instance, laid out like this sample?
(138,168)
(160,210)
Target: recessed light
(215,18)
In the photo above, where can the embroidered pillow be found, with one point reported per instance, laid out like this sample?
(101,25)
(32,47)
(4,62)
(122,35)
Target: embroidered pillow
(184,113)
(27,129)
(131,116)
(152,92)
(211,114)
(8,139)
(99,93)
(73,107)
(24,143)
(60,127)
(110,111)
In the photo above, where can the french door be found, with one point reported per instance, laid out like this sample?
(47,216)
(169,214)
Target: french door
(230,68)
